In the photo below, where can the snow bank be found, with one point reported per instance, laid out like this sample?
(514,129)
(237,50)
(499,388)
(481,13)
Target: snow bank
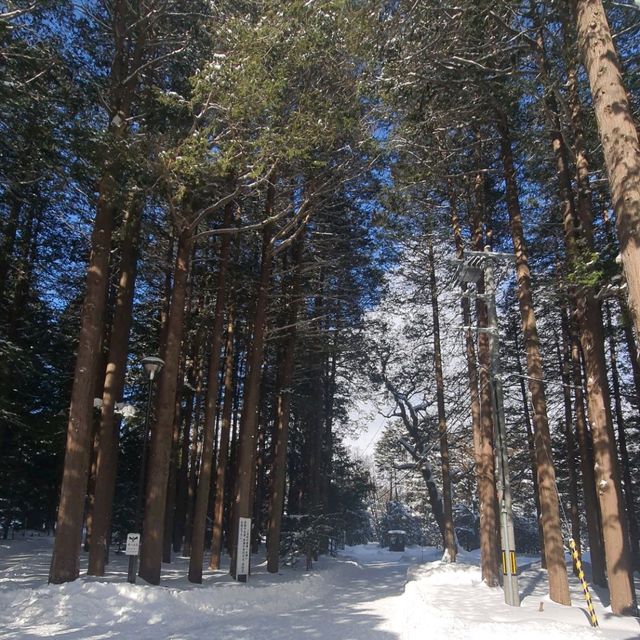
(457,604)
(367,593)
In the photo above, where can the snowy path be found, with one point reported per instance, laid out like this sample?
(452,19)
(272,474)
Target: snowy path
(371,594)
(350,601)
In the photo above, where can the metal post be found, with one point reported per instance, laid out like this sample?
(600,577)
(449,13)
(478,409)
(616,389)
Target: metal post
(503,485)
(133,559)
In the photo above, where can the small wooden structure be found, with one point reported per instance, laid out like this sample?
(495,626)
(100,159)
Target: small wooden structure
(396,539)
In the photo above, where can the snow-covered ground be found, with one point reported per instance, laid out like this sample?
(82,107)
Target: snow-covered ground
(366,593)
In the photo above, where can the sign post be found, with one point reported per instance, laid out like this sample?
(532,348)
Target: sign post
(244,549)
(132,550)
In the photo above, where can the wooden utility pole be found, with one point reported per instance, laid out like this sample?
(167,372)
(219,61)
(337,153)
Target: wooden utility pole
(476,267)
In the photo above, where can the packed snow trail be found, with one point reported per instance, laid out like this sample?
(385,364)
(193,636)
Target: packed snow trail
(365,594)
(341,599)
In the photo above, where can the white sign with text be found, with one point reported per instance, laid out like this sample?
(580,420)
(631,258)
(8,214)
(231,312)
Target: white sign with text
(133,544)
(244,547)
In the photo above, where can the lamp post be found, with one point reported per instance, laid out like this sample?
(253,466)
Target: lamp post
(152,366)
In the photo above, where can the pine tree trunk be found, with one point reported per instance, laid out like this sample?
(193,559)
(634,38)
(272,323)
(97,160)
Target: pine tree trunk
(591,506)
(621,148)
(172,508)
(449,540)
(629,497)
(488,500)
(113,390)
(195,455)
(583,201)
(568,214)
(234,449)
(578,231)
(313,418)
(130,47)
(184,425)
(549,504)
(160,450)
(251,401)
(612,112)
(65,560)
(632,349)
(530,441)
(91,484)
(181,485)
(484,479)
(330,373)
(165,300)
(223,451)
(258,487)
(564,362)
(284,382)
(607,473)
(204,482)
(294,493)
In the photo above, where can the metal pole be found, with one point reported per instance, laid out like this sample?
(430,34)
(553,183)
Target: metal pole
(133,560)
(503,485)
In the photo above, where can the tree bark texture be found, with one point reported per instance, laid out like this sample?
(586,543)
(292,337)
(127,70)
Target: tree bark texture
(173,507)
(530,441)
(488,501)
(223,451)
(564,362)
(211,399)
(251,401)
(591,506)
(195,454)
(65,560)
(549,503)
(450,545)
(129,45)
(629,497)
(113,390)
(632,349)
(160,450)
(607,473)
(182,470)
(284,382)
(621,148)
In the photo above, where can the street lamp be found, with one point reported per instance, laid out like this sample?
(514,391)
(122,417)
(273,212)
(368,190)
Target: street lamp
(152,366)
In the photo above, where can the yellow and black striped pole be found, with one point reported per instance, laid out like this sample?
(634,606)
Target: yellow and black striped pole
(585,587)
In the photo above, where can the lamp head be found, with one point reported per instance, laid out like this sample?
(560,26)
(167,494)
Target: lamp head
(152,366)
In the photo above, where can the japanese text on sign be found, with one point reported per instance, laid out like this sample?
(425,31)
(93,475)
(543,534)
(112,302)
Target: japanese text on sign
(244,546)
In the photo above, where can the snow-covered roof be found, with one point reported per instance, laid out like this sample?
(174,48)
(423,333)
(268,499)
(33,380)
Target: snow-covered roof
(397,531)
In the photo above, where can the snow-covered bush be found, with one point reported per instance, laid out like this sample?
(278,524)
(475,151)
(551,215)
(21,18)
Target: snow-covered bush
(399,517)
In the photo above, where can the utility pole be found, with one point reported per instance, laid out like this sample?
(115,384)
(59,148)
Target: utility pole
(471,268)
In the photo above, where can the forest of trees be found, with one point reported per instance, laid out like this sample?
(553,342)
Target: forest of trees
(269,197)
